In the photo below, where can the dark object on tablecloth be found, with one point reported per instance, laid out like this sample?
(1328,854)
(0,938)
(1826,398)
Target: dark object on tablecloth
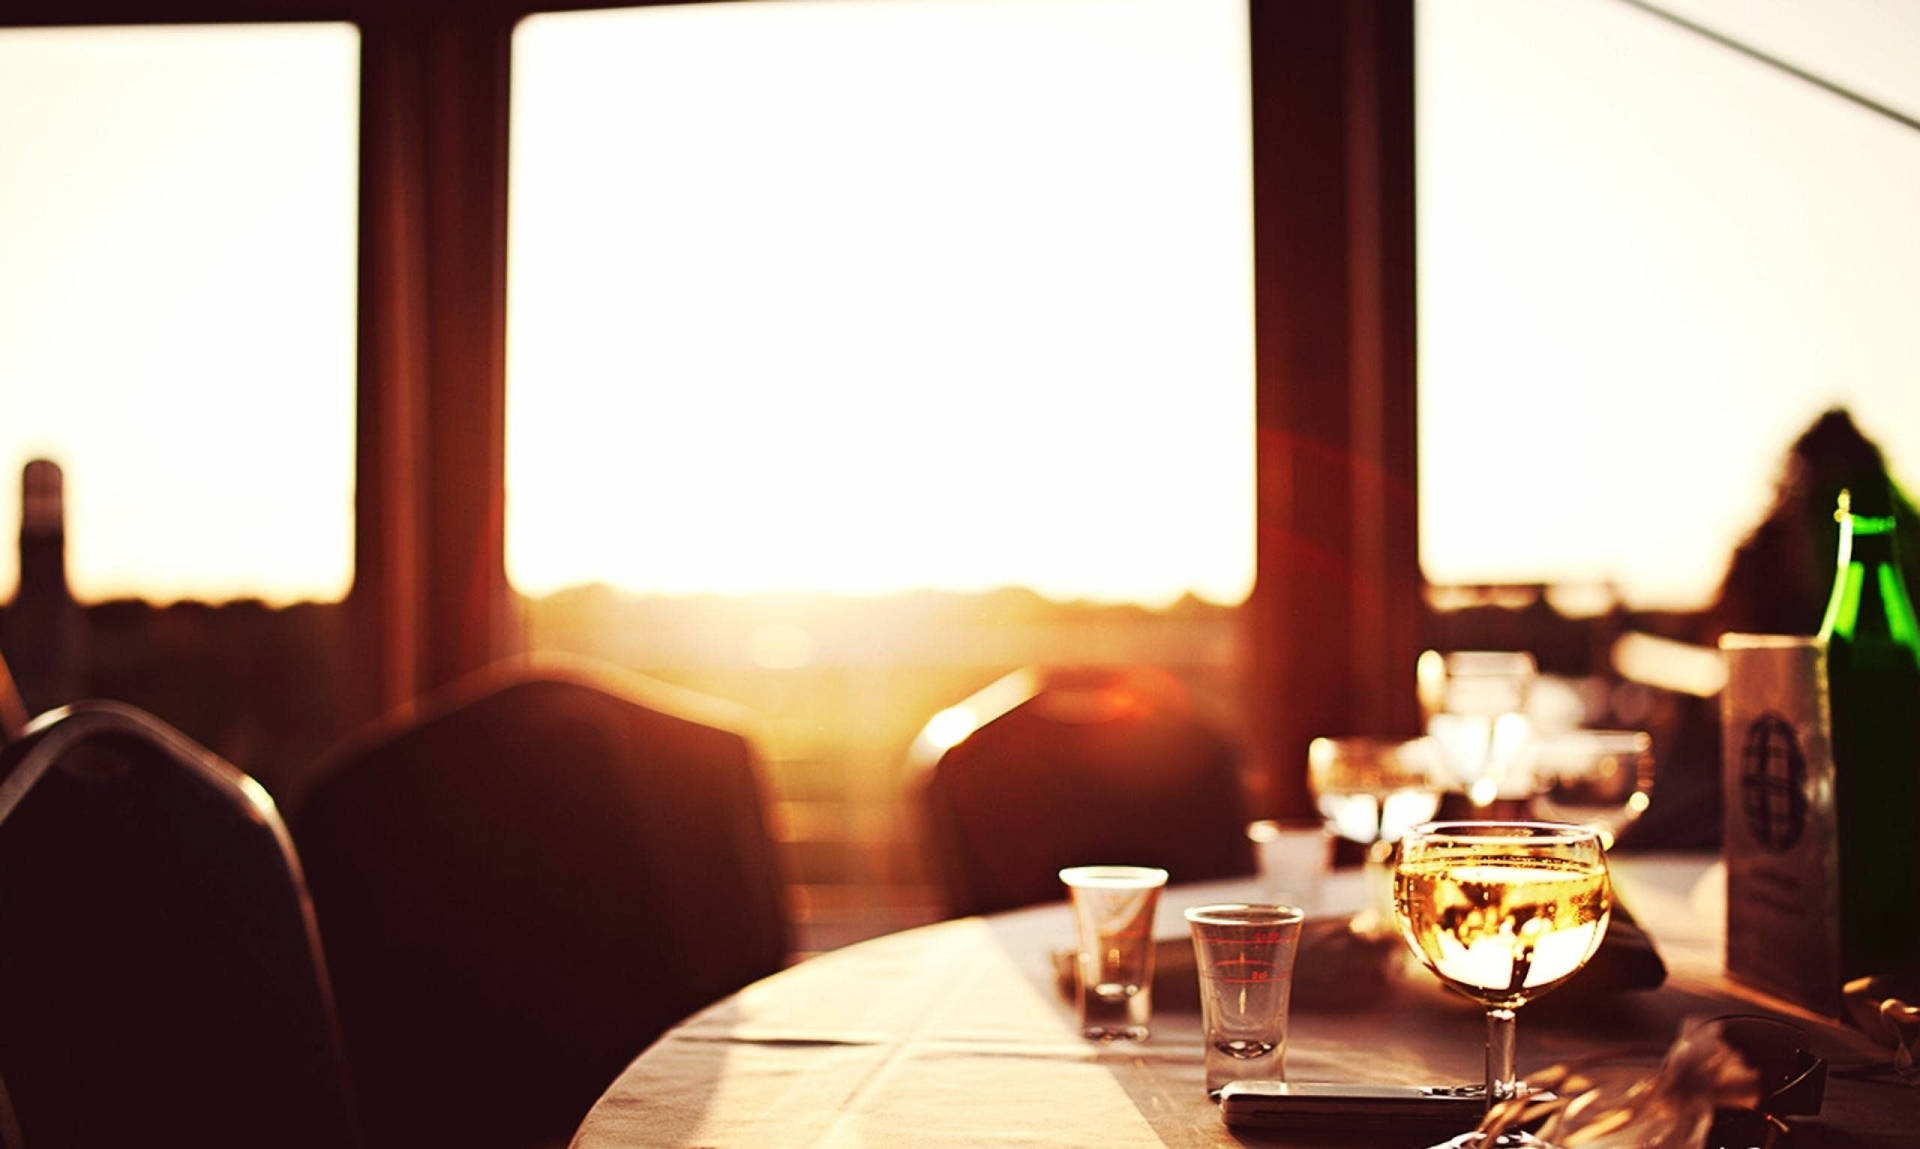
(1321,1113)
(1625,960)
(161,980)
(1339,969)
(1108,766)
(527,884)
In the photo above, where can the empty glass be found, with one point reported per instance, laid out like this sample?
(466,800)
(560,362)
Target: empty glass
(1245,956)
(1113,917)
(1371,791)
(1476,702)
(1599,778)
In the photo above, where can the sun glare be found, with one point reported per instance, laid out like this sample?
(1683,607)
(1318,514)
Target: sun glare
(866,297)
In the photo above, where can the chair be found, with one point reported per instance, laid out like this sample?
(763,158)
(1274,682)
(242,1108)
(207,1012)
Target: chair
(161,980)
(525,885)
(1047,769)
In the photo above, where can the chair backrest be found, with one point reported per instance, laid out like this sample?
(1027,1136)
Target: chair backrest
(526,884)
(161,980)
(1048,769)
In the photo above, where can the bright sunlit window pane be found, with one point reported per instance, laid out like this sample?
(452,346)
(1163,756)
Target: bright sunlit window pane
(1646,265)
(177,303)
(869,296)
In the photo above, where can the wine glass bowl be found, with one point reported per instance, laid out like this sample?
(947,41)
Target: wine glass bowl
(1476,710)
(1502,912)
(1600,778)
(1373,789)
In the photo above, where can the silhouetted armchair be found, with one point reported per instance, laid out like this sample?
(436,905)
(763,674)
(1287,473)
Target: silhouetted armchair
(161,980)
(524,886)
(1046,769)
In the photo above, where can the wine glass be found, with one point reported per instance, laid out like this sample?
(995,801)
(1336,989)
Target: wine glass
(1372,791)
(1599,778)
(1502,912)
(1476,707)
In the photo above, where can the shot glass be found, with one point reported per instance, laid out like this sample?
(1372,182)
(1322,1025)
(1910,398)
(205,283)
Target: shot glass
(1245,956)
(1113,916)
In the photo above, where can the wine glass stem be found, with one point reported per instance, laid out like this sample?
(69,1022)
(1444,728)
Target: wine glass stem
(1500,1073)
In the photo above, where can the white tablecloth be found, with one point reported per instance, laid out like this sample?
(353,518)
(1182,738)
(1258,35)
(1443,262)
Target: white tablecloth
(955,1035)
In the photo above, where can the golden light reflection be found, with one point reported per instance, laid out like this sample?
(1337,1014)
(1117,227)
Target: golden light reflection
(950,727)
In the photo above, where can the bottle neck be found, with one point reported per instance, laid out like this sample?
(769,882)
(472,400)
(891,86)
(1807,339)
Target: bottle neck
(1870,601)
(1871,524)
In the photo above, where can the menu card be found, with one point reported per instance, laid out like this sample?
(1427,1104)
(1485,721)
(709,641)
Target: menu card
(1781,833)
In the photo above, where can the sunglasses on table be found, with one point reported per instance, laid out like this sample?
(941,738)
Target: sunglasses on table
(1792,1082)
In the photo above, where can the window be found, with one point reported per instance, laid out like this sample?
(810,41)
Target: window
(1647,263)
(870,297)
(177,209)
(863,352)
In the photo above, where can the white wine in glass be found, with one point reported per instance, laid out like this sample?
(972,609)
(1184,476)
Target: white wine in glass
(1503,912)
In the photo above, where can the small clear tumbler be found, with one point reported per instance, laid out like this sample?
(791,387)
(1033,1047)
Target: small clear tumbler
(1245,956)
(1113,912)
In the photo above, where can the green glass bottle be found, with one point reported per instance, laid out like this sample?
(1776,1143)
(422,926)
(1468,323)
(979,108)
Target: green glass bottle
(1873,675)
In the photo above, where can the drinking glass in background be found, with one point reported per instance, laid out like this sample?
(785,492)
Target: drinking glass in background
(1502,912)
(1113,919)
(1245,957)
(1294,858)
(1372,791)
(1599,778)
(1476,707)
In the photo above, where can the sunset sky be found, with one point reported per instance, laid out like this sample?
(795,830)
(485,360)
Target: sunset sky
(862,296)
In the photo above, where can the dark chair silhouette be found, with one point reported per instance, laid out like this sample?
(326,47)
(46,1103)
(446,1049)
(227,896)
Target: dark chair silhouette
(1047,769)
(161,979)
(524,886)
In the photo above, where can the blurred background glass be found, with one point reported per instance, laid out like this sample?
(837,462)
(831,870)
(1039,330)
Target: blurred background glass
(1373,789)
(1476,707)
(1599,778)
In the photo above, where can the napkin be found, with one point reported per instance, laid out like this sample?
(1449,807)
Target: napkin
(1625,960)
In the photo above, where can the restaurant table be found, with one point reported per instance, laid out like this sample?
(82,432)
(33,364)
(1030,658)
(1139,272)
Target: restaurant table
(957,1034)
